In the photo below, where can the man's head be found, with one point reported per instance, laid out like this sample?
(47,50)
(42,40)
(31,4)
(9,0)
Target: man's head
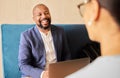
(41,16)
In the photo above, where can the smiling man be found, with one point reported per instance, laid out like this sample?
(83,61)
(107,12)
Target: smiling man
(41,45)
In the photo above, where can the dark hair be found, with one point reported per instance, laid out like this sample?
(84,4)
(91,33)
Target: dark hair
(113,6)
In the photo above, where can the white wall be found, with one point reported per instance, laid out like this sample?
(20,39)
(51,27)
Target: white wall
(20,12)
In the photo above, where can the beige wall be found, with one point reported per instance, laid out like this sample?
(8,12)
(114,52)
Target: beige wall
(1,74)
(20,12)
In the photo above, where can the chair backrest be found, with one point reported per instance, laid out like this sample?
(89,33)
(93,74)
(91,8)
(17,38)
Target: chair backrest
(76,35)
(10,46)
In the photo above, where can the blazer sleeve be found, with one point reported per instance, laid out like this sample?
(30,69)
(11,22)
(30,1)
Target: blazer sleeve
(25,58)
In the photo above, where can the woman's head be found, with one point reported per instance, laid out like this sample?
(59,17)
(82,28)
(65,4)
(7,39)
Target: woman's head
(98,14)
(113,7)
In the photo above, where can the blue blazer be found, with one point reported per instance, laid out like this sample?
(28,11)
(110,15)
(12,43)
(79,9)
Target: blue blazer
(32,56)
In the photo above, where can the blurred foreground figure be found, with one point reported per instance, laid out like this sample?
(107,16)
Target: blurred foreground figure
(102,19)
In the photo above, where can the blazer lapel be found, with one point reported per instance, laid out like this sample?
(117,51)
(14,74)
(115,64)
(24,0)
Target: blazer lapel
(40,40)
(55,40)
(38,35)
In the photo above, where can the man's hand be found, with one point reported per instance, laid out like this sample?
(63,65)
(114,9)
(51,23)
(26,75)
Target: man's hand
(45,74)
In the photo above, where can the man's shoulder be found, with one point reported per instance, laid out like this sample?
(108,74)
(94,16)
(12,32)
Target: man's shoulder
(29,30)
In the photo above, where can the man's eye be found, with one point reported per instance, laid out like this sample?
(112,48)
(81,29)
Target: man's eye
(39,14)
(46,13)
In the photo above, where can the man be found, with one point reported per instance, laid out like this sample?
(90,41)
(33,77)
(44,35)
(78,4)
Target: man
(102,19)
(41,45)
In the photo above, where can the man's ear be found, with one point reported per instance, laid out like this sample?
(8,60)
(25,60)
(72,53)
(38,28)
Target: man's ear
(33,18)
(95,9)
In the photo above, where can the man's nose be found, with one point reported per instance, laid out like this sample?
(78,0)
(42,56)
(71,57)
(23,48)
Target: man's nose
(44,15)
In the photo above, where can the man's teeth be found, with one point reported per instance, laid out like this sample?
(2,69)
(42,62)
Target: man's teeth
(44,20)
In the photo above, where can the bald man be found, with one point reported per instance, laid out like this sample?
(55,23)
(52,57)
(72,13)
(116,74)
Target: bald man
(41,45)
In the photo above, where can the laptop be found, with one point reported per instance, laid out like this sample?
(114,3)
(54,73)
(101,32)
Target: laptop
(62,69)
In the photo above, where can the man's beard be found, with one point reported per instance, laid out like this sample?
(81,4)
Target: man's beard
(47,27)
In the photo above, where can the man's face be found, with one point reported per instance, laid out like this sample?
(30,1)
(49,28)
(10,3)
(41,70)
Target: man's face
(42,17)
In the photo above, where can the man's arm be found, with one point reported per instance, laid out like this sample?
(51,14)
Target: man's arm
(25,59)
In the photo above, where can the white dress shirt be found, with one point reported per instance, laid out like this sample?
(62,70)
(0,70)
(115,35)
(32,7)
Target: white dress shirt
(49,47)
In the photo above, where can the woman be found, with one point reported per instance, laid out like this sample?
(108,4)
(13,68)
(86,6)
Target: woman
(102,19)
